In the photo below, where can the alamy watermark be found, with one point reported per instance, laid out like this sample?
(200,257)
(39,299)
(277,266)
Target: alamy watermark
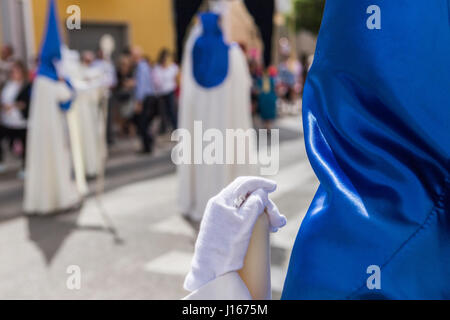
(73,281)
(73,22)
(232,147)
(374,280)
(374,20)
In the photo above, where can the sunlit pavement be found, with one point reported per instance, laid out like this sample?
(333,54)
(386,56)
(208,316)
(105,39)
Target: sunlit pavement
(131,243)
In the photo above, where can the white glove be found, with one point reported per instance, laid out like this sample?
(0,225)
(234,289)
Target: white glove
(227,227)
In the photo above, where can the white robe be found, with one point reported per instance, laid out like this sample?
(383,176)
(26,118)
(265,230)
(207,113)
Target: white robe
(87,104)
(84,118)
(48,185)
(71,69)
(75,132)
(226,106)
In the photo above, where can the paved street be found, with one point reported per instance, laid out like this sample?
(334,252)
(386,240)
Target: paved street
(132,243)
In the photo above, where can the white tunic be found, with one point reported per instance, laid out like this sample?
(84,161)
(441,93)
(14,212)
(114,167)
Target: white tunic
(87,104)
(71,69)
(48,184)
(226,106)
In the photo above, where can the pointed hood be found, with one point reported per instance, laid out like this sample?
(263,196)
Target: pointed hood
(51,45)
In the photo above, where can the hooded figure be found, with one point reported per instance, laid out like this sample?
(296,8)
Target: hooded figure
(72,68)
(88,105)
(376,115)
(215,91)
(48,184)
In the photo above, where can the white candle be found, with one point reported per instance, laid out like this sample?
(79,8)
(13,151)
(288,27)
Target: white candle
(256,270)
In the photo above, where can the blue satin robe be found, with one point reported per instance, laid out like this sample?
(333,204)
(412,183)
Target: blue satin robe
(376,117)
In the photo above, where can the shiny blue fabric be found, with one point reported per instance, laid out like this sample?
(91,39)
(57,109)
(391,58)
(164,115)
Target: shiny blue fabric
(210,53)
(376,117)
(51,50)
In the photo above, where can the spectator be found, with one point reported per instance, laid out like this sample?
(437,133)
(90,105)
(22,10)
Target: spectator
(267,98)
(6,62)
(15,100)
(89,100)
(290,77)
(109,81)
(123,92)
(255,73)
(146,102)
(165,77)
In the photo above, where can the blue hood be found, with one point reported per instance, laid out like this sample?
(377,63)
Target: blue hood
(51,50)
(376,115)
(51,46)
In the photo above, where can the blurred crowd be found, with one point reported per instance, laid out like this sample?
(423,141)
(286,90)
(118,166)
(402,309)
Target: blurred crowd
(15,92)
(141,92)
(277,90)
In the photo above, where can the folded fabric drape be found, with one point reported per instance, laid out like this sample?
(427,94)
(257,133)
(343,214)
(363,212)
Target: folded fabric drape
(376,116)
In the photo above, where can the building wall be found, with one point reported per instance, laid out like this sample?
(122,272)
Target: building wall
(150,22)
(1,25)
(14,20)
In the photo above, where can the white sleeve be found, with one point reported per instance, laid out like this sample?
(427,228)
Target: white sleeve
(63,92)
(226,287)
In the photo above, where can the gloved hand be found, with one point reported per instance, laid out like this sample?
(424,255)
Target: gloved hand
(227,227)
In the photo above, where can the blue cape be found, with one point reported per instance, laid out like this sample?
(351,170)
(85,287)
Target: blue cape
(51,45)
(210,53)
(376,117)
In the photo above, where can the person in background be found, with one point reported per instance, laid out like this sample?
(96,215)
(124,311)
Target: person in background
(33,69)
(49,185)
(289,76)
(123,91)
(6,62)
(267,97)
(148,60)
(89,102)
(215,90)
(165,77)
(255,73)
(305,69)
(146,102)
(87,58)
(109,81)
(286,79)
(14,101)
(107,68)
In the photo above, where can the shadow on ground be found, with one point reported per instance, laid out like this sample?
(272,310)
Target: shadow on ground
(48,233)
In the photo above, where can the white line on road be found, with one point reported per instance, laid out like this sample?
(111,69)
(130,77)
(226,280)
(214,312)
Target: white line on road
(171,263)
(174,225)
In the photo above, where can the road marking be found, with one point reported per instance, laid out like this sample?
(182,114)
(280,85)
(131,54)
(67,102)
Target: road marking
(171,263)
(174,225)
(277,276)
